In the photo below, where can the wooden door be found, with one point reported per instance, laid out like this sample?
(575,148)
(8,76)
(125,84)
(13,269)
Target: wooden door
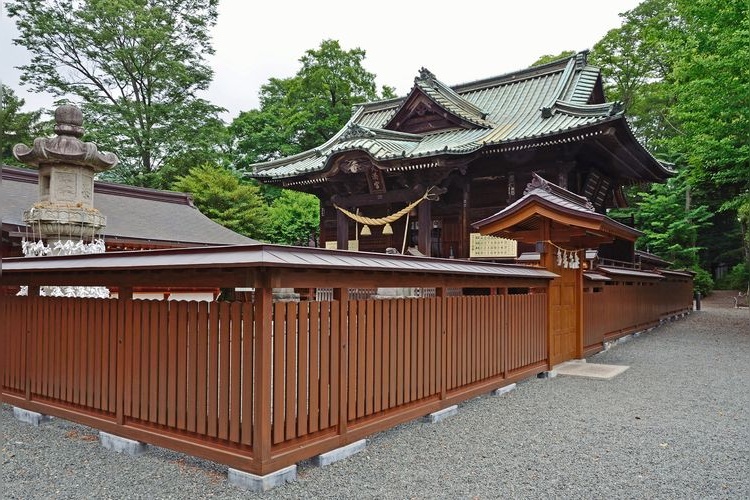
(564,302)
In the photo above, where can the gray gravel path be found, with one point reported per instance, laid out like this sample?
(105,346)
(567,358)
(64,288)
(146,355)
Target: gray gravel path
(675,425)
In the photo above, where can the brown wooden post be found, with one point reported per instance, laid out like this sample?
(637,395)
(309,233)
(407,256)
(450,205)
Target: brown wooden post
(342,231)
(424,238)
(342,296)
(579,311)
(124,308)
(263,318)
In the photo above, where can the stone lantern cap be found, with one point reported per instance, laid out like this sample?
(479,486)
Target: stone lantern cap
(66,148)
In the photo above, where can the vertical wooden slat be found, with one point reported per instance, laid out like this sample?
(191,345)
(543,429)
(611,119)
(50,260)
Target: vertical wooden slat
(394,349)
(351,381)
(421,345)
(224,332)
(235,367)
(303,369)
(434,346)
(135,346)
(202,368)
(164,357)
(104,360)
(327,354)
(279,371)
(378,389)
(154,337)
(370,360)
(361,365)
(99,332)
(291,368)
(115,333)
(248,370)
(182,340)
(212,423)
(172,355)
(192,366)
(143,388)
(128,361)
(403,355)
(314,322)
(90,346)
(382,329)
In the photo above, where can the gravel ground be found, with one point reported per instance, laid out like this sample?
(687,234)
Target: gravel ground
(675,425)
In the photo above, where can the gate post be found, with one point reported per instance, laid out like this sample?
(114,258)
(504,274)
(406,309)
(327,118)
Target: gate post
(262,406)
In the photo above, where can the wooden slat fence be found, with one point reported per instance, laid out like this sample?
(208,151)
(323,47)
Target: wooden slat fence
(615,309)
(181,374)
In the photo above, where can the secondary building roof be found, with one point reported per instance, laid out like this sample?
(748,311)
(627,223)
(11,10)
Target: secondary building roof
(134,214)
(543,199)
(555,102)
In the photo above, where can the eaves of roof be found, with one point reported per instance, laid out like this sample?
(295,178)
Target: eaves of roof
(265,256)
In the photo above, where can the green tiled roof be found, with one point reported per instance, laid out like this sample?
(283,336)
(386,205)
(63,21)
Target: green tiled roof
(530,104)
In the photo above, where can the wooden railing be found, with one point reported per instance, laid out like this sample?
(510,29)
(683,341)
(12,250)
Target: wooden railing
(617,308)
(184,375)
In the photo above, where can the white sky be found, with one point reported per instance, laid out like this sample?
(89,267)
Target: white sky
(458,41)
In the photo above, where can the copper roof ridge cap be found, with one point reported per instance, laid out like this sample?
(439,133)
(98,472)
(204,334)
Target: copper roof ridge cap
(117,189)
(453,96)
(521,74)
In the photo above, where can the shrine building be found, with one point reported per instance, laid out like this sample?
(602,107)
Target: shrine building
(416,172)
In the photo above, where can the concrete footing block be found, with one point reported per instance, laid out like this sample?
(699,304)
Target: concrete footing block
(339,453)
(122,445)
(253,482)
(441,415)
(547,374)
(30,417)
(503,390)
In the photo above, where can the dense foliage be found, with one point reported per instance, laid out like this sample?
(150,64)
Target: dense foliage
(135,66)
(680,67)
(304,111)
(16,126)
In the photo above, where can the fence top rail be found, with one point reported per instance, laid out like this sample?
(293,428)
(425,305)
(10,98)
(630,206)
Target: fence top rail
(238,257)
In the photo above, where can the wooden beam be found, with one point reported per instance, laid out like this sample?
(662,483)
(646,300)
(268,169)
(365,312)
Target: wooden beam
(363,200)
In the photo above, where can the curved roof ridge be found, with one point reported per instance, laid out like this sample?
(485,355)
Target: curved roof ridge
(427,80)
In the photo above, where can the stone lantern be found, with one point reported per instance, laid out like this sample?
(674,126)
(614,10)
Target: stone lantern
(64,218)
(65,210)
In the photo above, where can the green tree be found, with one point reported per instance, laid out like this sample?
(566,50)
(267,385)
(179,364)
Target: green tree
(670,221)
(16,126)
(304,111)
(222,195)
(135,65)
(293,219)
(547,58)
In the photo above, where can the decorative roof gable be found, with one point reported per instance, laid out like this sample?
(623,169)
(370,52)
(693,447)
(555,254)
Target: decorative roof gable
(431,105)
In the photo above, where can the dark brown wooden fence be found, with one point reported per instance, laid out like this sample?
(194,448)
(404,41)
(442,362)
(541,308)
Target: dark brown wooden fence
(185,374)
(617,308)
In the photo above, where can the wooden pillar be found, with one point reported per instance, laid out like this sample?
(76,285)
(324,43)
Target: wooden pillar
(342,231)
(463,241)
(262,405)
(424,238)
